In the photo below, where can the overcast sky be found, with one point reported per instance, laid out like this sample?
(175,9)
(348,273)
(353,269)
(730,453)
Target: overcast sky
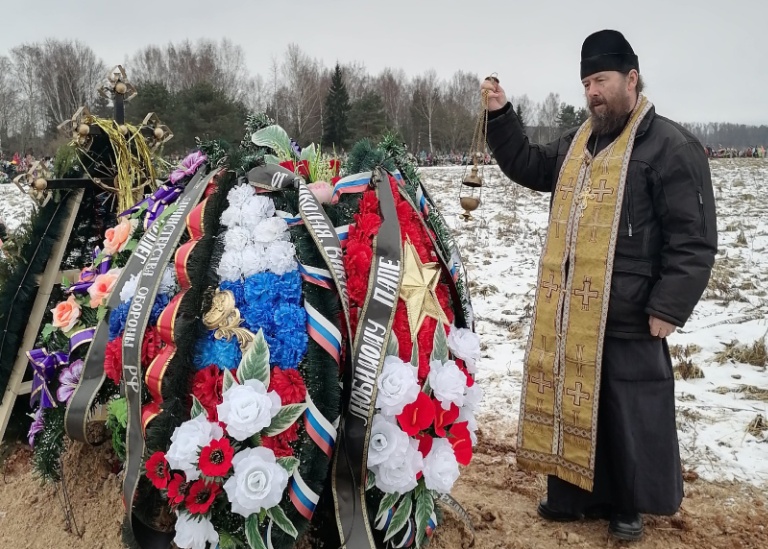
(702,60)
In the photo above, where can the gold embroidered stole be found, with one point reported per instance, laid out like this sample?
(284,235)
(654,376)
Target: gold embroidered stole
(558,410)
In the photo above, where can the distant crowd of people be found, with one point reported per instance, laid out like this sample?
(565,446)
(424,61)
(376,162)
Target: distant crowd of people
(17,165)
(732,152)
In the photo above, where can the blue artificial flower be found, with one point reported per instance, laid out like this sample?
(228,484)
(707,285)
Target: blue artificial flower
(161,302)
(238,289)
(260,289)
(288,342)
(222,353)
(288,288)
(117,318)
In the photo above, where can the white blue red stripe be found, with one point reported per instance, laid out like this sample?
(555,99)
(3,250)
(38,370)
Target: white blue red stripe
(383,523)
(355,183)
(409,536)
(316,276)
(319,429)
(290,219)
(302,496)
(422,201)
(323,332)
(343,233)
(431,524)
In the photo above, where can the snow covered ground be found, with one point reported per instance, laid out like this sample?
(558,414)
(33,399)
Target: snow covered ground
(501,249)
(14,206)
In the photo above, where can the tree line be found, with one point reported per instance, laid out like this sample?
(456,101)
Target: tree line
(204,89)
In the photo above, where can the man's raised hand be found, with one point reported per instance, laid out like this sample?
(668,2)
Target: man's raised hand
(496,96)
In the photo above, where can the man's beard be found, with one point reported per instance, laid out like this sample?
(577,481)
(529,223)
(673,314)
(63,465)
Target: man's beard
(613,117)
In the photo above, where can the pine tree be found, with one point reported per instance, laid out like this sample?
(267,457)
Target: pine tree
(336,132)
(521,115)
(368,118)
(567,117)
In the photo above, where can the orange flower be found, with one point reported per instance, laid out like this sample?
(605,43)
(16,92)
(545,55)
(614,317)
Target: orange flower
(66,314)
(102,287)
(116,238)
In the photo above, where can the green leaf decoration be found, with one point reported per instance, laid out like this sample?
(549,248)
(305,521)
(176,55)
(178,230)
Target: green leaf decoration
(47,332)
(308,153)
(275,138)
(286,417)
(415,355)
(252,533)
(255,362)
(228,541)
(387,502)
(400,518)
(101,313)
(228,381)
(197,408)
(271,159)
(279,517)
(425,505)
(393,345)
(65,282)
(370,480)
(290,464)
(440,345)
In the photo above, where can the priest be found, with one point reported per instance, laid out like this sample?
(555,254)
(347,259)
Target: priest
(630,247)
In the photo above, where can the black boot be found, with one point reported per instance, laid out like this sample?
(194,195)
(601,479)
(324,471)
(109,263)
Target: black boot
(626,526)
(548,513)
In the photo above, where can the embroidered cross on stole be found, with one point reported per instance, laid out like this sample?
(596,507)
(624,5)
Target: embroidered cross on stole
(558,410)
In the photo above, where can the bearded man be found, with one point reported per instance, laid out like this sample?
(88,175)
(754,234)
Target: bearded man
(630,247)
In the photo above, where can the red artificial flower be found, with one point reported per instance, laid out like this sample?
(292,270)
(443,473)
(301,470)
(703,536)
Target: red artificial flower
(151,346)
(358,264)
(335,180)
(417,416)
(335,165)
(369,203)
(289,385)
(216,458)
(302,168)
(461,441)
(444,418)
(279,445)
(113,360)
(288,165)
(157,470)
(366,226)
(201,495)
(425,443)
(207,388)
(178,488)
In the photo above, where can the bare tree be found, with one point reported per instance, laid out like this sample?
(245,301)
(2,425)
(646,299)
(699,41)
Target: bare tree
(9,97)
(426,97)
(392,86)
(550,108)
(302,94)
(31,117)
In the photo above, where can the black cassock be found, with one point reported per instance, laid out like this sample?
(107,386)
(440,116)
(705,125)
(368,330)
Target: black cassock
(637,462)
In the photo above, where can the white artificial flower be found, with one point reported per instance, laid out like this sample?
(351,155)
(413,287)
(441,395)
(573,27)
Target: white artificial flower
(281,257)
(257,208)
(467,415)
(230,266)
(386,440)
(194,532)
(248,408)
(129,288)
(168,284)
(186,441)
(254,260)
(269,230)
(257,483)
(398,386)
(238,196)
(236,239)
(440,467)
(448,383)
(398,473)
(473,396)
(232,217)
(465,344)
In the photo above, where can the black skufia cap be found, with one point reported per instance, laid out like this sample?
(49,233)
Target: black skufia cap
(607,50)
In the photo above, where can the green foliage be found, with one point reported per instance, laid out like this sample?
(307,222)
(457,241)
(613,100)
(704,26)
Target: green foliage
(400,517)
(255,362)
(365,156)
(287,416)
(569,117)
(65,162)
(522,116)
(367,118)
(117,421)
(49,444)
(337,112)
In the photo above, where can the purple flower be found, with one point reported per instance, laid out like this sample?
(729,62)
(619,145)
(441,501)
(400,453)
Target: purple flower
(36,427)
(68,380)
(188,166)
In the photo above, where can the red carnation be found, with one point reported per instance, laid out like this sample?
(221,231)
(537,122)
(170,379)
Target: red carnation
(289,385)
(207,388)
(461,441)
(417,415)
(201,496)
(113,360)
(216,458)
(369,203)
(358,263)
(278,444)
(178,488)
(366,226)
(444,418)
(151,346)
(157,470)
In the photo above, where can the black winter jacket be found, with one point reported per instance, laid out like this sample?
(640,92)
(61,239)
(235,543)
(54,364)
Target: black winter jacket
(668,234)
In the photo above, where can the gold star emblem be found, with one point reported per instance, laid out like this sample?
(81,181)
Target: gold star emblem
(418,290)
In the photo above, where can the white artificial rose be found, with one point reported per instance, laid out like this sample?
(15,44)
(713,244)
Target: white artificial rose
(238,196)
(129,288)
(468,416)
(386,440)
(269,230)
(257,482)
(230,266)
(281,257)
(473,396)
(247,409)
(465,344)
(186,441)
(253,260)
(448,383)
(398,473)
(236,239)
(168,283)
(194,532)
(255,210)
(398,385)
(440,467)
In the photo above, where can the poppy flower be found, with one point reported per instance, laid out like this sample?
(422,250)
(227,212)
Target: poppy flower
(178,488)
(216,458)
(201,495)
(157,470)
(417,416)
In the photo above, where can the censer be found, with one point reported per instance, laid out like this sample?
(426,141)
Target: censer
(471,189)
